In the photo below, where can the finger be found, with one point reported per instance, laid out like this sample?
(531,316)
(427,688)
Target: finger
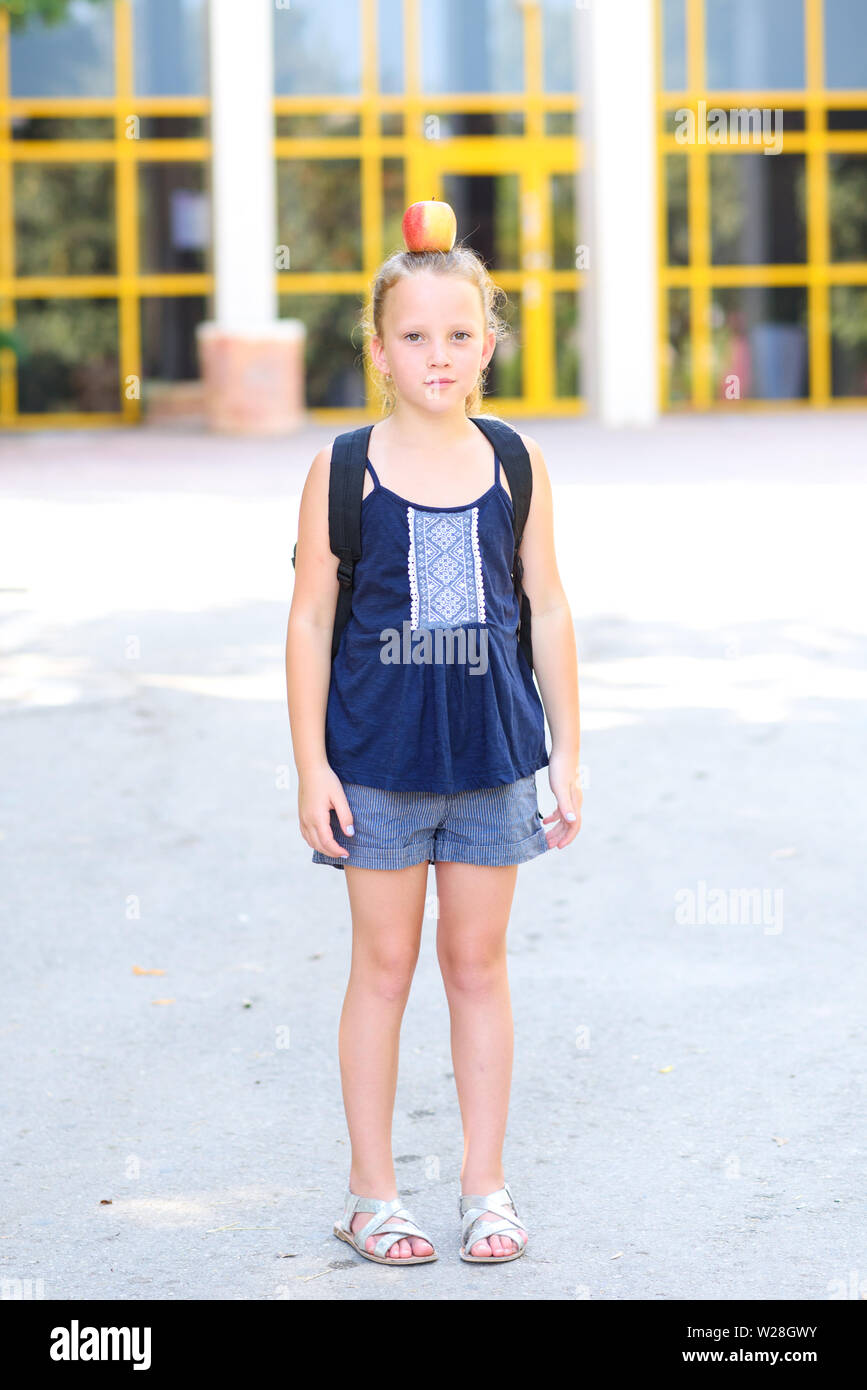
(330,845)
(343,812)
(311,835)
(556,832)
(571,832)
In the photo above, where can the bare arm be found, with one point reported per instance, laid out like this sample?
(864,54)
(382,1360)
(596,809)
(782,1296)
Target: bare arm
(308,664)
(555,658)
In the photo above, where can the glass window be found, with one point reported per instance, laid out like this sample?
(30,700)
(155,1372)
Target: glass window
(64,219)
(72,59)
(393,205)
(174,217)
(446,125)
(849,340)
(334,361)
(170,51)
(505,372)
(318,125)
(677,200)
(70,359)
(564,222)
(678,349)
(845,43)
(62,127)
(848,206)
(171,128)
(472,48)
(317,48)
(486,208)
(674,77)
(854,118)
(561,123)
(759,340)
(567,344)
(758,209)
(752,44)
(559,37)
(390,46)
(319,213)
(168,337)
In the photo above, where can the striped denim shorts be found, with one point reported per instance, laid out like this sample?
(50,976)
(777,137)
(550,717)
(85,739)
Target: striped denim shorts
(395,829)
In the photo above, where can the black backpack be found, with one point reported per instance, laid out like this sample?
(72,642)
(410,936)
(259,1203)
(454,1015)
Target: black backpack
(345,487)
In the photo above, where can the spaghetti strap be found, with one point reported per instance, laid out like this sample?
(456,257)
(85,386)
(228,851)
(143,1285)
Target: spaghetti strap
(496,468)
(376,481)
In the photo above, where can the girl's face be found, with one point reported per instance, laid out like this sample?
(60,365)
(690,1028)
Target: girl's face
(434,342)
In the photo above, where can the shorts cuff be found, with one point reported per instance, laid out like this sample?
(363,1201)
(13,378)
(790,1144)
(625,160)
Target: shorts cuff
(377,858)
(459,852)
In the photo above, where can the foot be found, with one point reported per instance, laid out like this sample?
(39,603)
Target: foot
(495,1245)
(400,1250)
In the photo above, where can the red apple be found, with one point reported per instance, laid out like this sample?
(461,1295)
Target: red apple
(429,226)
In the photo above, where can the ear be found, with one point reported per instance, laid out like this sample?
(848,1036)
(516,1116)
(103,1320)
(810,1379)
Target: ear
(378,354)
(490,344)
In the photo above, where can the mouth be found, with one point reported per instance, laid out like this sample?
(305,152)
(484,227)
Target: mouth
(441,381)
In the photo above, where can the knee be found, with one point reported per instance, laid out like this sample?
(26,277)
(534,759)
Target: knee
(388,973)
(473,971)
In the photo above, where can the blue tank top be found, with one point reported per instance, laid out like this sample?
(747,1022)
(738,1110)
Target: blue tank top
(429,690)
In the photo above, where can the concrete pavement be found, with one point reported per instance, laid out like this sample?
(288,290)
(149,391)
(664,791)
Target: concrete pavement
(688,978)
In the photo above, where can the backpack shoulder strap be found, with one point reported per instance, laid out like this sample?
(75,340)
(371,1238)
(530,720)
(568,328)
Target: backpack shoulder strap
(513,455)
(345,487)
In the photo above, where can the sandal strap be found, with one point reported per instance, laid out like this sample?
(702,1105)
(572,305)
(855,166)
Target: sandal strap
(391,1221)
(474,1229)
(490,1202)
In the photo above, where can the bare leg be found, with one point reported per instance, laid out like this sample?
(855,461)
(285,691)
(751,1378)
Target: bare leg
(474,906)
(387,913)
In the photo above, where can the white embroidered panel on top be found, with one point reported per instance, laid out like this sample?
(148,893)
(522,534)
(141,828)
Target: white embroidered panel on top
(445,568)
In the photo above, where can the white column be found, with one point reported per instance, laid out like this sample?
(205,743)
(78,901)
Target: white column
(242,127)
(252,362)
(618,209)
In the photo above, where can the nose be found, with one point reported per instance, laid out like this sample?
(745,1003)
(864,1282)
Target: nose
(439,356)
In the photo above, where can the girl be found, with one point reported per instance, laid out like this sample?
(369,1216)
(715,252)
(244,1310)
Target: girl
(406,762)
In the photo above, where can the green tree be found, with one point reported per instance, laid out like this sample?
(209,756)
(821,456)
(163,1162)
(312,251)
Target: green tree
(20,12)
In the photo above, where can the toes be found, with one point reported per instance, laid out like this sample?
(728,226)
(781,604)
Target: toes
(420,1247)
(481,1247)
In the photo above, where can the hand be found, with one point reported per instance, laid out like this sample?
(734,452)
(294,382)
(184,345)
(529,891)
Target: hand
(318,791)
(564,783)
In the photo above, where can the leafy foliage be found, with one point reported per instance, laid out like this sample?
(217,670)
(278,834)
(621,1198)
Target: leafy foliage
(21,12)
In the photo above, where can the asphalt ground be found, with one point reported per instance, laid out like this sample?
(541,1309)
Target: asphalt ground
(688,978)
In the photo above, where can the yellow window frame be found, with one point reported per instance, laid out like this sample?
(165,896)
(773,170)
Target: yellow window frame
(817,274)
(534,156)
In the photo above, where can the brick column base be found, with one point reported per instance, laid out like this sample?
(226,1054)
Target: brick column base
(253,379)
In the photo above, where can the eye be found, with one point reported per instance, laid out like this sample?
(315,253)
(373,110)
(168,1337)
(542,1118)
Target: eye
(412,335)
(463,332)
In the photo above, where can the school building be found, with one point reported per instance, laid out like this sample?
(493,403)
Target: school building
(672,192)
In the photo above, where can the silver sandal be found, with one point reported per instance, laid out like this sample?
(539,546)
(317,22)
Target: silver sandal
(391,1218)
(473,1228)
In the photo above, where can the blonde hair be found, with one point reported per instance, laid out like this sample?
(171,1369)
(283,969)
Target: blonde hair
(461,260)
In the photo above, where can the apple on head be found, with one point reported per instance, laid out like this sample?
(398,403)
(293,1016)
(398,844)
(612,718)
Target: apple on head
(429,226)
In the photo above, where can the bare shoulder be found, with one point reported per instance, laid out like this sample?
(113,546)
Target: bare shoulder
(321,462)
(537,458)
(318,474)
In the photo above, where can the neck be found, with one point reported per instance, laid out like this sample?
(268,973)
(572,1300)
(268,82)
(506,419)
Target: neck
(408,423)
